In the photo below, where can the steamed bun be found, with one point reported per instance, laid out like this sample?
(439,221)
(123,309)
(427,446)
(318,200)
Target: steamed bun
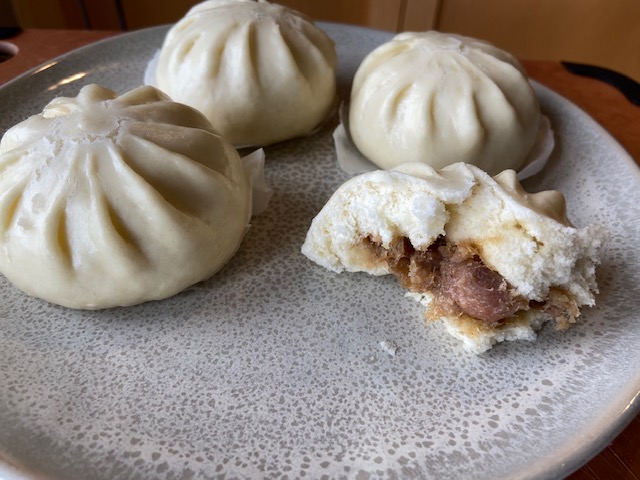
(439,99)
(110,200)
(261,73)
(488,260)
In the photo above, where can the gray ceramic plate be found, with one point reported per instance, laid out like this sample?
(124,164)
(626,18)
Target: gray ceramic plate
(273,368)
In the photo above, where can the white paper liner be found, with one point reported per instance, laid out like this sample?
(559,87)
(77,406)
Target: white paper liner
(261,192)
(540,152)
(150,70)
(353,162)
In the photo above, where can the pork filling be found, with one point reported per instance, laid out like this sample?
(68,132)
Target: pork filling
(456,276)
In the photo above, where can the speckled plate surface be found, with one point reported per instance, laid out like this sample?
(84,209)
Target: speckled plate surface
(273,368)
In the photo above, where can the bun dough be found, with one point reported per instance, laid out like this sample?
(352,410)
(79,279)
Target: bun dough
(523,237)
(261,73)
(440,99)
(113,200)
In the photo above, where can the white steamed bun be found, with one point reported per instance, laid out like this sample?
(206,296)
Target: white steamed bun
(261,73)
(110,200)
(439,99)
(415,222)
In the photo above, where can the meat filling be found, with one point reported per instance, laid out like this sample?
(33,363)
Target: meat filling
(461,283)
(477,290)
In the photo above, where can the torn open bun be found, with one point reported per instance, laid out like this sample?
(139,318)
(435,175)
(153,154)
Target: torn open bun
(487,258)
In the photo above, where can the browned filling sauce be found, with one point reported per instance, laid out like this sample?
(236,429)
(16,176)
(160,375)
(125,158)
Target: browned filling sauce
(462,284)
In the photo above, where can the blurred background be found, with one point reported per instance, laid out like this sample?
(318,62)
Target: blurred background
(602,32)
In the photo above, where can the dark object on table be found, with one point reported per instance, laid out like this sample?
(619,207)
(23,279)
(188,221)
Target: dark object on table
(8,32)
(629,87)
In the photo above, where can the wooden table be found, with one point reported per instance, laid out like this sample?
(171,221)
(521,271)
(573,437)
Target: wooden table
(621,459)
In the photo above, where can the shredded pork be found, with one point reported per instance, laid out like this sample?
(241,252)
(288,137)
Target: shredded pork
(461,284)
